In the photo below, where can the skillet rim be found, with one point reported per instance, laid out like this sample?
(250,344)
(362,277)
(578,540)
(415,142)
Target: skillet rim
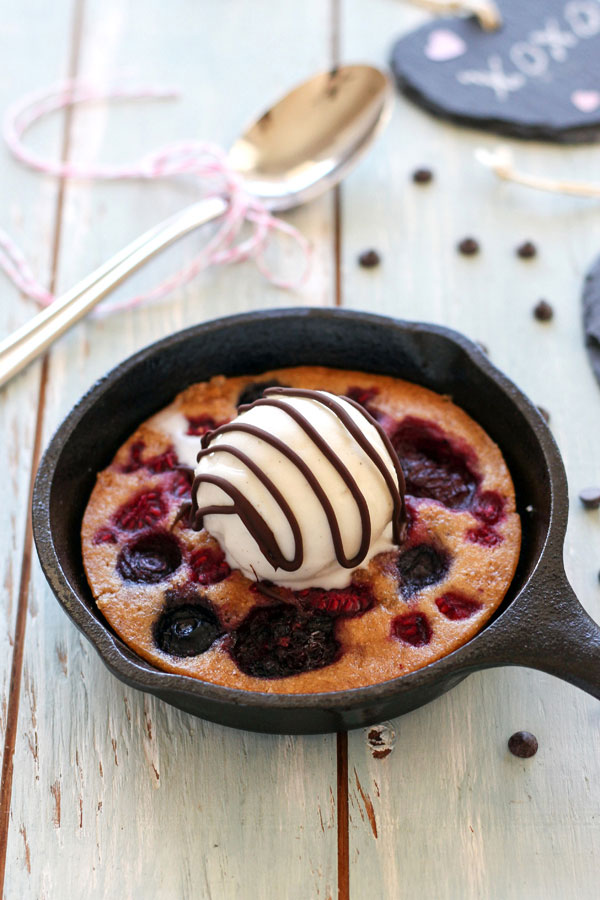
(126,665)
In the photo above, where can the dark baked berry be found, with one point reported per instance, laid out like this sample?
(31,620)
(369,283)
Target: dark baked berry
(543,311)
(468,246)
(422,176)
(104,536)
(199,425)
(590,497)
(368,259)
(208,565)
(484,535)
(149,559)
(527,250)
(277,641)
(413,629)
(488,507)
(544,414)
(350,601)
(254,391)
(186,630)
(433,466)
(143,511)
(420,567)
(456,606)
(523,744)
(362,395)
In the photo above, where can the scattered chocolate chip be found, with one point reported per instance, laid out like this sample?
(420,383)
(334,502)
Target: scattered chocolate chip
(483,347)
(544,413)
(527,250)
(523,744)
(422,176)
(590,497)
(468,246)
(543,311)
(368,259)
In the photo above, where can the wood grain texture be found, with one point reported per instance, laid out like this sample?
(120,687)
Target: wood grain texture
(118,795)
(28,214)
(456,815)
(31,214)
(125,796)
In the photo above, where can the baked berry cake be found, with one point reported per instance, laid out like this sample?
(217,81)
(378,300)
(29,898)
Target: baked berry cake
(338,529)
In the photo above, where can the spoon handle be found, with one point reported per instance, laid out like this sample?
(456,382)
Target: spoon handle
(33,338)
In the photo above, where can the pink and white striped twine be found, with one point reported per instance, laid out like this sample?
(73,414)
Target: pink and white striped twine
(206,161)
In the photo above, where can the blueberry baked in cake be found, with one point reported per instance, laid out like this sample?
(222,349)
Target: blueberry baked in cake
(305,530)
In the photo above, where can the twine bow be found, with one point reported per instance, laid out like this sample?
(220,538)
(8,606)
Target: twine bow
(204,160)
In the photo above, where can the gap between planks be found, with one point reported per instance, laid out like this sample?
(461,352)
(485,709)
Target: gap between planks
(343,838)
(14,693)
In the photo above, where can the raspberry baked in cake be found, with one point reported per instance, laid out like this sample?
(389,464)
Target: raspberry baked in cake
(305,530)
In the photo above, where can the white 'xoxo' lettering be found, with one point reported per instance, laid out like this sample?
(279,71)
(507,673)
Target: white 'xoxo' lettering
(532,57)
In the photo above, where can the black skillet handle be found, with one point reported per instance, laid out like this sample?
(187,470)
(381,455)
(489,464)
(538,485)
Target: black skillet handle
(549,630)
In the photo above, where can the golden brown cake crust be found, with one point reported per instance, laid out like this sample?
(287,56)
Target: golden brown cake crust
(405,629)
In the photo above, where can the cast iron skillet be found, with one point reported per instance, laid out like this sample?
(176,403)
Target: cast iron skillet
(540,624)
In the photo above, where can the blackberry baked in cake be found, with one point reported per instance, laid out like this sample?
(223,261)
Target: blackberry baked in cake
(305,530)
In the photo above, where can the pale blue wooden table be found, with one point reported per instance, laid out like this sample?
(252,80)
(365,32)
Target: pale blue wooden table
(115,795)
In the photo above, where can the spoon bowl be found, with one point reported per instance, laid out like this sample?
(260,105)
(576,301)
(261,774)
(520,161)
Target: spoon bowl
(298,149)
(311,138)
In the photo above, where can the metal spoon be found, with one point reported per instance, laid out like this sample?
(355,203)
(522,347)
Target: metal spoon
(304,145)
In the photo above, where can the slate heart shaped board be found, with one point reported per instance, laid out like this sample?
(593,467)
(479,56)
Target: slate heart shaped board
(591,316)
(538,77)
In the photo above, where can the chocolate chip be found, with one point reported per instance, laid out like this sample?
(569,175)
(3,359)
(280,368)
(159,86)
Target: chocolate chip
(368,259)
(590,497)
(544,413)
(468,246)
(483,347)
(523,744)
(422,176)
(527,250)
(543,311)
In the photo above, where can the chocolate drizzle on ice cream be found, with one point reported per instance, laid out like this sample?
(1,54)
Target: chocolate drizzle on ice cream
(256,524)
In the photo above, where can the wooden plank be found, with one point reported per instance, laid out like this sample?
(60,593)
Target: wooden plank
(124,795)
(34,52)
(449,813)
(28,204)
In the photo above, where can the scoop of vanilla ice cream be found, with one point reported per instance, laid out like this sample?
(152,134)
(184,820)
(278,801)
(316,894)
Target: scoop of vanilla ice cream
(319,567)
